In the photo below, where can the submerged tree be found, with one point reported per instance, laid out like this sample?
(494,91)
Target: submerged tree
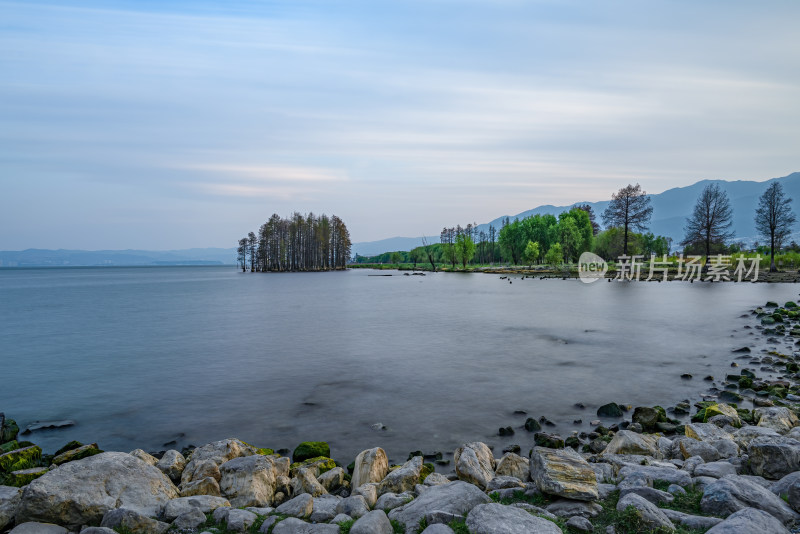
(774,219)
(629,209)
(711,219)
(241,253)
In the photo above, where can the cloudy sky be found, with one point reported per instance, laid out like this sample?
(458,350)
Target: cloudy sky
(168,124)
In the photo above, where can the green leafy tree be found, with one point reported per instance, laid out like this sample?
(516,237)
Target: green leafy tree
(774,219)
(417,255)
(396,258)
(555,255)
(532,252)
(513,239)
(629,209)
(465,249)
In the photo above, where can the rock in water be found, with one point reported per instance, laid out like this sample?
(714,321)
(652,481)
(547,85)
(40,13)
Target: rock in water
(475,464)
(563,472)
(494,518)
(81,492)
(248,481)
(311,449)
(611,409)
(371,465)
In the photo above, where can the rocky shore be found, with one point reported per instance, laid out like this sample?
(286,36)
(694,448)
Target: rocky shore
(732,467)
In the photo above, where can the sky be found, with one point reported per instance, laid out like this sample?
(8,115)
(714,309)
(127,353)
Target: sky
(168,124)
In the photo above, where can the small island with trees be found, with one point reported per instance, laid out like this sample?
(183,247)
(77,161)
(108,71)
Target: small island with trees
(299,243)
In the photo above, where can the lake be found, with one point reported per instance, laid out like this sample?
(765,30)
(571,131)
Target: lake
(140,357)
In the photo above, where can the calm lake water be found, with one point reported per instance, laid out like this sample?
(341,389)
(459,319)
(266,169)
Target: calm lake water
(139,357)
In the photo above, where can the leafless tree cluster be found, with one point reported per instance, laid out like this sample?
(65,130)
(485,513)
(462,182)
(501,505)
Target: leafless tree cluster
(299,243)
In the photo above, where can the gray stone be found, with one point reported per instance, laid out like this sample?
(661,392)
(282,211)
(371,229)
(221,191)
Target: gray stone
(133,521)
(570,508)
(203,486)
(98,530)
(369,492)
(240,520)
(341,518)
(172,464)
(651,494)
(603,472)
(604,490)
(581,524)
(248,480)
(439,516)
(774,457)
(651,515)
(10,498)
(727,448)
(703,449)
(292,525)
(733,493)
(218,452)
(782,486)
(691,464)
(260,510)
(438,528)
(475,463)
(456,497)
(304,481)
(144,456)
(301,506)
(534,510)
(696,522)
(189,520)
(627,442)
(777,418)
(82,491)
(355,506)
(375,522)
(324,508)
(371,465)
(32,527)
(701,483)
(436,479)
(390,501)
(676,490)
(706,432)
(403,478)
(749,520)
(672,476)
(513,465)
(746,434)
(715,469)
(332,479)
(494,518)
(504,482)
(204,503)
(563,472)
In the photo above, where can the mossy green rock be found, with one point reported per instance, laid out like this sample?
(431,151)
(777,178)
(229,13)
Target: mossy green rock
(771,304)
(311,449)
(68,447)
(790,304)
(8,447)
(9,431)
(611,409)
(767,320)
(551,441)
(426,470)
(778,317)
(24,477)
(265,451)
(722,409)
(20,459)
(320,464)
(76,454)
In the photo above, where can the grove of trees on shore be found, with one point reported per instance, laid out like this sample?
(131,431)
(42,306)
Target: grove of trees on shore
(299,243)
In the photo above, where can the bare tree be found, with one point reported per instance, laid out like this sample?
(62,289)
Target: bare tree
(774,219)
(711,219)
(428,253)
(630,209)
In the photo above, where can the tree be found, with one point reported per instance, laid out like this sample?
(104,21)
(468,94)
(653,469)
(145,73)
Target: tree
(416,255)
(241,252)
(774,219)
(710,221)
(592,219)
(513,239)
(429,253)
(252,243)
(630,209)
(464,248)
(396,258)
(531,254)
(554,256)
(447,238)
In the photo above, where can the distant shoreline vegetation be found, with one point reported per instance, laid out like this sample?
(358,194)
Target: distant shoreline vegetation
(299,243)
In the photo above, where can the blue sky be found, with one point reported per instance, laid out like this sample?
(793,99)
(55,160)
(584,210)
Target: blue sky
(160,125)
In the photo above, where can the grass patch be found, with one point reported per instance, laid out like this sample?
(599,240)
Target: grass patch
(629,521)
(345,526)
(688,503)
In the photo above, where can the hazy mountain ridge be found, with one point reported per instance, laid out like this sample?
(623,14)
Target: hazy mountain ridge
(111,258)
(670,210)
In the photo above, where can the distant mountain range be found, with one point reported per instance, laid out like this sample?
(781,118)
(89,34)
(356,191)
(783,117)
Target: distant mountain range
(670,210)
(110,258)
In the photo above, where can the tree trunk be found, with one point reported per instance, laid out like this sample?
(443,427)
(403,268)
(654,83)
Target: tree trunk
(772,267)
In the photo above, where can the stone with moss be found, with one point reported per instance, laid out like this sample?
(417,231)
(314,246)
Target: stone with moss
(311,449)
(23,477)
(20,459)
(427,469)
(723,409)
(9,431)
(318,465)
(68,447)
(612,409)
(8,447)
(84,451)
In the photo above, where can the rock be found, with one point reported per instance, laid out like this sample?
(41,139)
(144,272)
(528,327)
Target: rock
(782,486)
(23,477)
(315,466)
(81,492)
(189,520)
(332,479)
(456,497)
(580,524)
(693,448)
(9,500)
(371,465)
(83,451)
(494,518)
(98,530)
(793,496)
(369,492)
(647,417)
(8,429)
(355,506)
(723,409)
(144,456)
(172,464)
(20,458)
(305,482)
(134,522)
(438,528)
(475,464)
(532,425)
(390,501)
(694,522)
(604,490)
(569,508)
(204,486)
(38,528)
(311,449)
(199,470)
(672,476)
(733,493)
(403,478)
(438,516)
(248,480)
(651,515)
(218,452)
(651,494)
(563,472)
(715,469)
(551,441)
(301,506)
(375,522)
(341,518)
(514,465)
(324,508)
(240,520)
(437,479)
(749,520)
(706,432)
(627,442)
(504,482)
(611,409)
(261,510)
(774,457)
(777,418)
(204,503)
(727,448)
(293,525)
